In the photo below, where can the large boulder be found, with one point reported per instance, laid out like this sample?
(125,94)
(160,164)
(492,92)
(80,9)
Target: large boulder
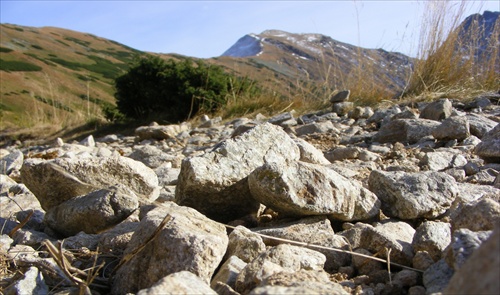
(302,189)
(56,181)
(189,241)
(413,195)
(216,183)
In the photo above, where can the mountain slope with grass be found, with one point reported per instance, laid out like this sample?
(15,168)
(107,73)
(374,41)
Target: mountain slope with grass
(56,76)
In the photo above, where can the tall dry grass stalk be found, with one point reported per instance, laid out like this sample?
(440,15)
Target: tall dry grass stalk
(447,59)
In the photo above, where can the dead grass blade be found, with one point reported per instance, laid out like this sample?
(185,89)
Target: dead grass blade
(331,249)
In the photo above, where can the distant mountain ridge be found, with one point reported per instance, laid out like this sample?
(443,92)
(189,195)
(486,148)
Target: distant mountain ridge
(321,58)
(53,74)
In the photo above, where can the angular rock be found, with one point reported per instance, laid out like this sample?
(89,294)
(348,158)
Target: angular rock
(456,127)
(228,272)
(437,110)
(480,215)
(463,243)
(182,282)
(343,153)
(11,162)
(395,235)
(151,156)
(92,213)
(316,127)
(282,258)
(479,274)
(310,154)
(244,244)
(216,182)
(342,108)
(31,283)
(437,277)
(300,282)
(315,230)
(489,148)
(301,189)
(56,181)
(279,119)
(160,132)
(479,124)
(405,130)
(189,241)
(413,195)
(432,237)
(340,96)
(365,266)
(443,159)
(361,113)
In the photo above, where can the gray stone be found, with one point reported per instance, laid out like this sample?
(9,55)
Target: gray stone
(182,283)
(244,244)
(343,153)
(94,212)
(315,230)
(480,273)
(437,110)
(299,282)
(437,277)
(432,237)
(31,283)
(366,266)
(316,127)
(151,156)
(167,175)
(361,113)
(342,108)
(228,272)
(405,130)
(456,127)
(281,258)
(413,195)
(301,189)
(480,125)
(443,159)
(279,119)
(463,243)
(340,96)
(395,235)
(88,141)
(56,181)
(216,182)
(160,132)
(422,260)
(310,154)
(189,241)
(489,148)
(11,162)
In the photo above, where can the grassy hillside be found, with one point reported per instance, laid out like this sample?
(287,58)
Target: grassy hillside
(57,77)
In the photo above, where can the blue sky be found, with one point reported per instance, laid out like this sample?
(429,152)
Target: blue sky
(207,28)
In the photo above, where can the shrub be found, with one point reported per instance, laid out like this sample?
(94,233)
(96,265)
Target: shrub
(175,90)
(5,50)
(18,66)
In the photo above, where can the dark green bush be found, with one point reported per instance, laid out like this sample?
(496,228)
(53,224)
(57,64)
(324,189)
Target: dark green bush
(4,49)
(37,47)
(18,66)
(175,90)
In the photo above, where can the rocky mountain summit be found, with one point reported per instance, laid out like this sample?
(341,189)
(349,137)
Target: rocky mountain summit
(402,199)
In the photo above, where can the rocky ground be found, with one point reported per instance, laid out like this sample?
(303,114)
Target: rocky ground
(398,200)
